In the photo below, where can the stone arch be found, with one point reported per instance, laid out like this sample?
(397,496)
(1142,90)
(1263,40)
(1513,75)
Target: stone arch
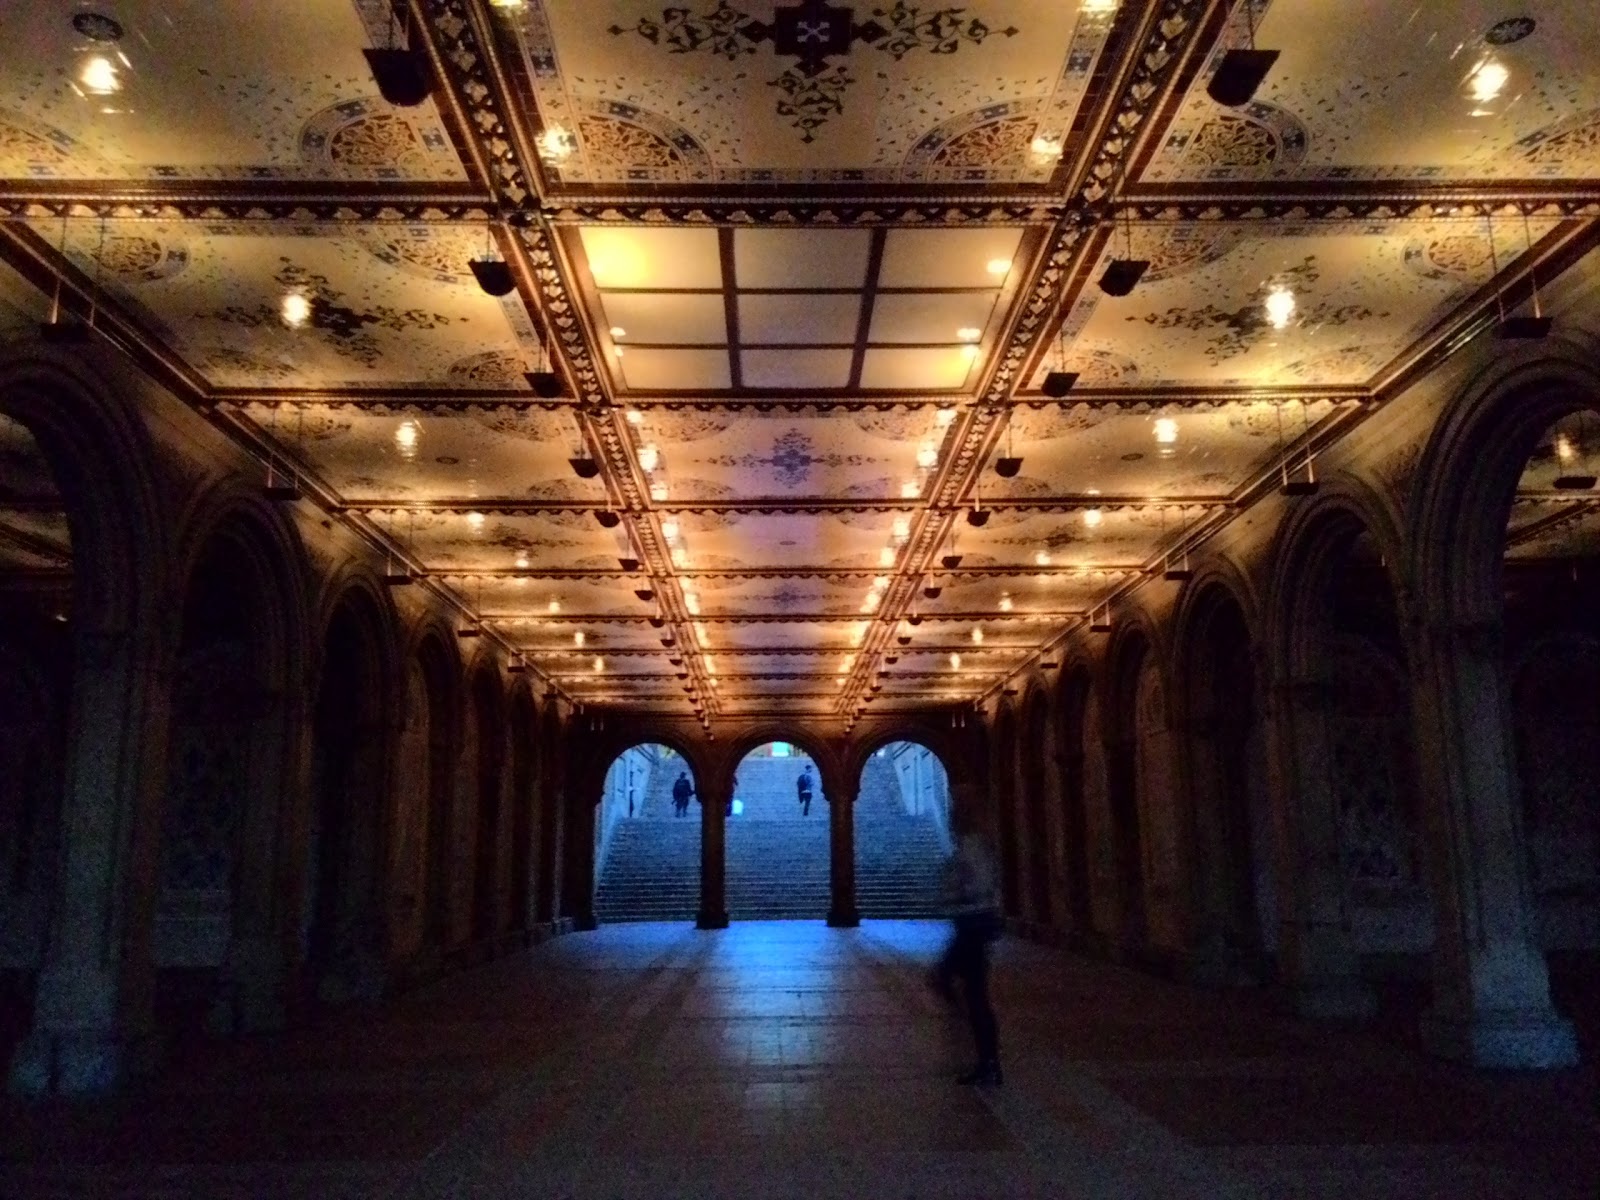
(1343,748)
(1491,996)
(939,739)
(93,977)
(1220,694)
(428,821)
(1129,667)
(233,761)
(524,775)
(486,731)
(834,781)
(1074,693)
(347,840)
(1003,796)
(1034,778)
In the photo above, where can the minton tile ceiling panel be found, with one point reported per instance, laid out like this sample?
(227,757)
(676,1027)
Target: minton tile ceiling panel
(1362,293)
(785,540)
(729,455)
(208,89)
(1462,91)
(529,599)
(410,456)
(1049,593)
(782,597)
(1114,537)
(598,636)
(386,305)
(762,92)
(820,635)
(473,542)
(1073,450)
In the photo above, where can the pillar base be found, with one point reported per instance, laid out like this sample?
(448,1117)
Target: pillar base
(1515,1041)
(847,918)
(79,1064)
(710,920)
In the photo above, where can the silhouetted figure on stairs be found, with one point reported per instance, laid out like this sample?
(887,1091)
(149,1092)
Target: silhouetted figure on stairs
(681,791)
(803,787)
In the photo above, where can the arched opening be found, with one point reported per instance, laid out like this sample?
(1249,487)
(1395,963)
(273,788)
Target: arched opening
(546,881)
(777,842)
(1347,652)
(647,837)
(523,775)
(341,940)
(1551,585)
(902,831)
(226,756)
(36,667)
(1036,800)
(1227,759)
(1133,711)
(1005,802)
(1071,715)
(489,743)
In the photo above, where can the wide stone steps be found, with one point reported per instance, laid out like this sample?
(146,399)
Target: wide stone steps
(777,861)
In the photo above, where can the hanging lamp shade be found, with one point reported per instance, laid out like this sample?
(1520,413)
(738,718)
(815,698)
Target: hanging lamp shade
(1238,75)
(402,75)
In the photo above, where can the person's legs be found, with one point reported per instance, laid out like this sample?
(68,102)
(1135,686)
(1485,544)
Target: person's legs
(972,954)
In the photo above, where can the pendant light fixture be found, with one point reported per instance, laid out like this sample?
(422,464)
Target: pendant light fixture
(1059,382)
(401,73)
(56,331)
(1580,477)
(544,380)
(1240,72)
(491,271)
(1007,465)
(1294,485)
(282,485)
(1520,328)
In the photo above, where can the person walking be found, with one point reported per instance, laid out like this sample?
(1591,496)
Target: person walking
(803,787)
(974,905)
(681,791)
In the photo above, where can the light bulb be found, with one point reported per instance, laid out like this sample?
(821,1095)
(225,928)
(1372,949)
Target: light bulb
(1487,80)
(618,331)
(475,519)
(955,662)
(658,492)
(649,456)
(599,665)
(1092,517)
(969,333)
(1166,431)
(1045,146)
(1042,558)
(998,266)
(1005,602)
(554,605)
(1280,306)
(296,310)
(928,457)
(99,76)
(405,439)
(910,490)
(886,557)
(522,562)
(556,143)
(578,639)
(1565,451)
(977,637)
(669,529)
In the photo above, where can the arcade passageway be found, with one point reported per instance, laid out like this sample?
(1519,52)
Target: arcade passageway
(793,1060)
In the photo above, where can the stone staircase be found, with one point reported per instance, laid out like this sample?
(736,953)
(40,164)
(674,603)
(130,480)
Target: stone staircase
(777,860)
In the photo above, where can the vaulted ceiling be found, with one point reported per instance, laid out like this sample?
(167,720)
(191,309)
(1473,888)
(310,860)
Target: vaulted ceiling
(799,272)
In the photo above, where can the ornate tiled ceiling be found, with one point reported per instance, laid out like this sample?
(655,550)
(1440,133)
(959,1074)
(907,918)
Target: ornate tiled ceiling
(790,276)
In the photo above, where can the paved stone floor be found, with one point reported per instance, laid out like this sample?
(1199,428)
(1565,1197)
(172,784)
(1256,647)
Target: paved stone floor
(790,1060)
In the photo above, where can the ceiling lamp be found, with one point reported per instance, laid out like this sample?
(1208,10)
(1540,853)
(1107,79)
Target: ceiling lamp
(998,266)
(932,591)
(1280,307)
(1092,517)
(977,515)
(555,143)
(405,438)
(1122,275)
(1058,383)
(401,74)
(579,638)
(1042,558)
(950,562)
(1100,624)
(977,637)
(669,529)
(1570,479)
(630,565)
(955,662)
(1008,464)
(1005,602)
(583,466)
(1487,80)
(546,384)
(645,594)
(928,457)
(607,518)
(886,557)
(100,76)
(910,490)
(1520,328)
(1166,431)
(658,492)
(649,456)
(493,275)
(1238,75)
(476,520)
(599,665)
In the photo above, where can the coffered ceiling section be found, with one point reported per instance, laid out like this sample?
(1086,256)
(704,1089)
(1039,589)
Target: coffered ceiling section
(705,311)
(1469,90)
(207,89)
(263,305)
(1355,296)
(716,91)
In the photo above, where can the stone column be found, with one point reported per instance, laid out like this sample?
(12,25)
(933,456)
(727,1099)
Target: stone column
(714,798)
(578,872)
(92,1024)
(1491,990)
(841,802)
(1319,965)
